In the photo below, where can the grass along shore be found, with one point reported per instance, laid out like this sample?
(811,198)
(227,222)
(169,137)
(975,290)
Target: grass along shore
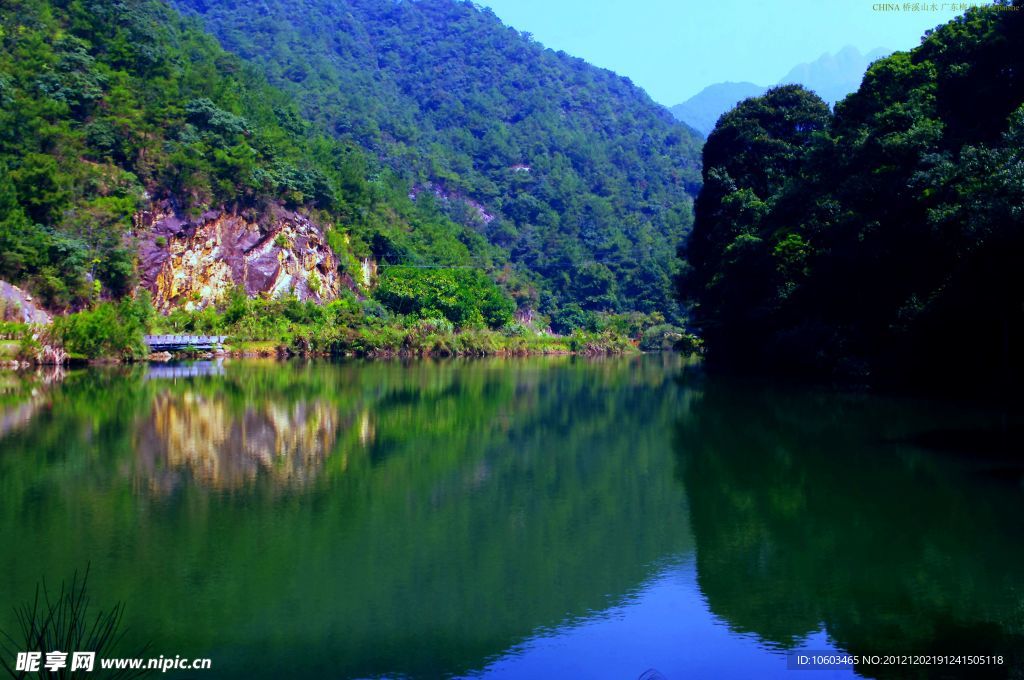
(113,332)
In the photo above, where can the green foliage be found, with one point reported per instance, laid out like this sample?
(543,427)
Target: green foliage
(665,337)
(106,106)
(18,341)
(568,170)
(516,330)
(108,330)
(565,174)
(871,243)
(29,346)
(631,324)
(465,297)
(661,337)
(572,317)
(367,328)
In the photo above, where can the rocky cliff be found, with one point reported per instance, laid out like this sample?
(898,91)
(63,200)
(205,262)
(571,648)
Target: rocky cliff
(18,305)
(195,262)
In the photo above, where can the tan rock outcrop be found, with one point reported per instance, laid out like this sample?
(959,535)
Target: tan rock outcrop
(193,263)
(17,305)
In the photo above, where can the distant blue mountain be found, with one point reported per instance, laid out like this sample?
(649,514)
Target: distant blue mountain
(832,76)
(702,110)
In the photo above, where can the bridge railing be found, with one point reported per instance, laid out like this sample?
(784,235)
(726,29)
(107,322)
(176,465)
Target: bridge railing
(171,342)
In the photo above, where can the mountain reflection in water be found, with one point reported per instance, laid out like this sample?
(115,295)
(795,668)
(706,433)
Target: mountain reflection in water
(512,518)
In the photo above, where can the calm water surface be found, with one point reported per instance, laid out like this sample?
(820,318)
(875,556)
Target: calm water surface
(513,518)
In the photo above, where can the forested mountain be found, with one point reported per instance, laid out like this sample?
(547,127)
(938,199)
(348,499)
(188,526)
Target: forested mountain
(884,241)
(830,76)
(110,108)
(574,172)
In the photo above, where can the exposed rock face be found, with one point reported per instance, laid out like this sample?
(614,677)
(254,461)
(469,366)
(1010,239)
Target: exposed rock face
(476,210)
(194,263)
(17,305)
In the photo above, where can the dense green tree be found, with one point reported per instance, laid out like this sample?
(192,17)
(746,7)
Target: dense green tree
(574,172)
(742,265)
(465,297)
(110,330)
(106,105)
(881,242)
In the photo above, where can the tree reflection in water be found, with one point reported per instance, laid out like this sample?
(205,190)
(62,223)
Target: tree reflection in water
(814,510)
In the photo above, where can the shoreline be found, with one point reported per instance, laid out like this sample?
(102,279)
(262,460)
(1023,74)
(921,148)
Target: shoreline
(84,340)
(283,354)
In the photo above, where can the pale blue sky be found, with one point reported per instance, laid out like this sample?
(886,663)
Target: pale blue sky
(674,48)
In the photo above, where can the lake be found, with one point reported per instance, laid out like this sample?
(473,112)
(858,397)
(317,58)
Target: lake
(527,518)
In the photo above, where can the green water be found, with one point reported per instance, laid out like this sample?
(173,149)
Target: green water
(514,518)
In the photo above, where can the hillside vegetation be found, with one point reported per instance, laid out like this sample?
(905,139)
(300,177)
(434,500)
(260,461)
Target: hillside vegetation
(884,241)
(107,106)
(572,171)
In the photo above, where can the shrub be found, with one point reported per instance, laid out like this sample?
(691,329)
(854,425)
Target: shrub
(572,317)
(516,330)
(689,344)
(661,337)
(434,326)
(108,330)
(669,337)
(631,324)
(466,297)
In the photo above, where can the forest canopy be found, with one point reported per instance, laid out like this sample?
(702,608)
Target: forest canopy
(107,106)
(884,240)
(423,133)
(581,180)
